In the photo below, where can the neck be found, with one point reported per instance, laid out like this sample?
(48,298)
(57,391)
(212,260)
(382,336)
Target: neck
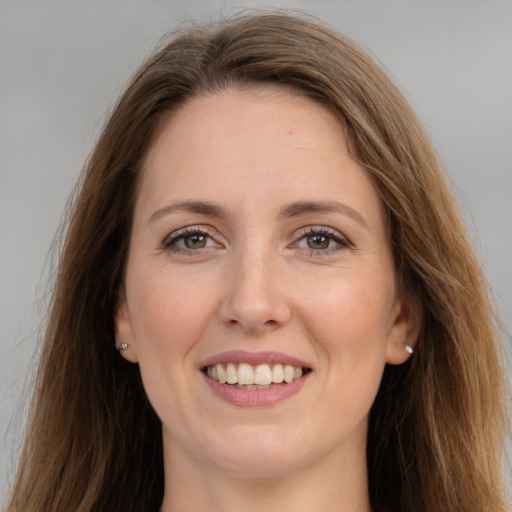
(329,485)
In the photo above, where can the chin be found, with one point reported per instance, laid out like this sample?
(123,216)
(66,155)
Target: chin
(254,464)
(260,454)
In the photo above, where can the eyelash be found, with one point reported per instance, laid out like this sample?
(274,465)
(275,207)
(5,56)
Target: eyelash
(341,241)
(170,242)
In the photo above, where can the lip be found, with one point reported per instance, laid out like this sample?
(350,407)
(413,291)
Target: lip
(255,397)
(253,358)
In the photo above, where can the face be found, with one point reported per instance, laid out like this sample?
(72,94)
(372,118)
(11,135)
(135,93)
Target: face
(260,299)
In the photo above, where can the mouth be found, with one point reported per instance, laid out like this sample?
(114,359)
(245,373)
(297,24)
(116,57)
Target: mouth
(260,376)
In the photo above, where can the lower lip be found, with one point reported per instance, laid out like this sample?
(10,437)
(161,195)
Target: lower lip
(255,397)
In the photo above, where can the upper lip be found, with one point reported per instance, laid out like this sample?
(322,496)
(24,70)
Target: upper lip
(253,358)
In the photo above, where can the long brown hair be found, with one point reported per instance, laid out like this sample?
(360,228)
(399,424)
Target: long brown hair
(436,432)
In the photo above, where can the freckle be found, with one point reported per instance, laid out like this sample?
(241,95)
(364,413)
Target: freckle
(290,132)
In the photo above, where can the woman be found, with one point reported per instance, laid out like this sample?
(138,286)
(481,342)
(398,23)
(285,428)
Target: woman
(263,228)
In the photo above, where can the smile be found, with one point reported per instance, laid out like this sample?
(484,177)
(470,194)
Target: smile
(255,379)
(261,376)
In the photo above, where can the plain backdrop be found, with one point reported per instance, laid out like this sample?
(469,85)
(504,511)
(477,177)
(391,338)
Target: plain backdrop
(62,63)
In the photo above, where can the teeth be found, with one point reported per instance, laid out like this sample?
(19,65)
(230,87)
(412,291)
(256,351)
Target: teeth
(221,373)
(245,374)
(231,374)
(254,377)
(262,375)
(277,373)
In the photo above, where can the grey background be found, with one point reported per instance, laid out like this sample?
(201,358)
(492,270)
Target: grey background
(62,63)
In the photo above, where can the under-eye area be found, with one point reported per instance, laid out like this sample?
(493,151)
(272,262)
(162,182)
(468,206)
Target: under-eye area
(261,376)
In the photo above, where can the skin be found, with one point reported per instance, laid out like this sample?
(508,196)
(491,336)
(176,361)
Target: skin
(257,286)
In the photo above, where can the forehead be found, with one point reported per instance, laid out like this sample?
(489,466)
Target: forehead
(225,117)
(250,146)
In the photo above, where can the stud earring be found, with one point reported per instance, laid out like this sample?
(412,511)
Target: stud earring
(122,347)
(408,348)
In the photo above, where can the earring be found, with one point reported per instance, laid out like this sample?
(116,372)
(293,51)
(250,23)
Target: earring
(122,347)
(408,348)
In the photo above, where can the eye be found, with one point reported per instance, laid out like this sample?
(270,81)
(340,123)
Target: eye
(188,239)
(195,241)
(321,241)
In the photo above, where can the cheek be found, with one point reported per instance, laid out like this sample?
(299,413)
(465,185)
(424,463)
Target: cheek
(353,315)
(350,325)
(168,318)
(168,309)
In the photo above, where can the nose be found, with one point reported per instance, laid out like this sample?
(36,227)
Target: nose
(254,301)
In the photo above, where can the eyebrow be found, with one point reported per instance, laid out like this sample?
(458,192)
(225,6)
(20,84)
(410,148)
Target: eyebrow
(305,207)
(292,210)
(201,207)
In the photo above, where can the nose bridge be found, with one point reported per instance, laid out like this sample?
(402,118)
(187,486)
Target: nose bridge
(254,300)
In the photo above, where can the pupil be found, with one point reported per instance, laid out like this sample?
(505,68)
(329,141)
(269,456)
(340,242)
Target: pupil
(195,241)
(318,242)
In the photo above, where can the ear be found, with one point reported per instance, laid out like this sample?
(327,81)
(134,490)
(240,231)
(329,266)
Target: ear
(406,327)
(123,329)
